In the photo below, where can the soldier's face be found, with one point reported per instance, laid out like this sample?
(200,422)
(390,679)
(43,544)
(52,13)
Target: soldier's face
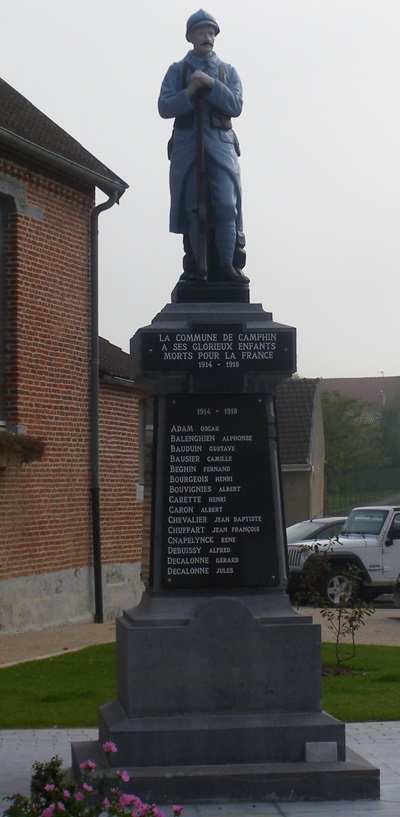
(202,39)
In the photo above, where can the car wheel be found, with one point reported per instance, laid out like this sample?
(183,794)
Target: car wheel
(336,587)
(396,594)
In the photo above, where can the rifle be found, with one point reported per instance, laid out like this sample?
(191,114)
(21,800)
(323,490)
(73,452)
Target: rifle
(201,192)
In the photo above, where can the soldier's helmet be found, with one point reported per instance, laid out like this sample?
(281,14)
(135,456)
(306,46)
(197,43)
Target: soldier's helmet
(201,18)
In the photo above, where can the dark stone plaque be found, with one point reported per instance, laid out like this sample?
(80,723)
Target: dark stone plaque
(217,520)
(219,350)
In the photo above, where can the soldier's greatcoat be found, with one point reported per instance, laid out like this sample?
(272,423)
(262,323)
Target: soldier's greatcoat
(227,98)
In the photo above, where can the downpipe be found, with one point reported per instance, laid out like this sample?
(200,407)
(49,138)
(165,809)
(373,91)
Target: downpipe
(94,402)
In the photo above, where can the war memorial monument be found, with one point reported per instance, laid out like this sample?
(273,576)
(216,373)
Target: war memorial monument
(219,678)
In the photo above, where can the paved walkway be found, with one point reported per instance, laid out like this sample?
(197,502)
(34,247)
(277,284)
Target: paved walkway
(377,742)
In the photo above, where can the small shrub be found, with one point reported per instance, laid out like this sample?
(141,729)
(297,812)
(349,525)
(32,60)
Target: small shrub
(53,794)
(347,616)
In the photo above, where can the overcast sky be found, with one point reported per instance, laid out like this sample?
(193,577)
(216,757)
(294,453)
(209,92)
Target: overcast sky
(320,139)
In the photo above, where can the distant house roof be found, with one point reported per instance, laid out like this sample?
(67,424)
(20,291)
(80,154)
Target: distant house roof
(112,360)
(296,400)
(375,391)
(25,128)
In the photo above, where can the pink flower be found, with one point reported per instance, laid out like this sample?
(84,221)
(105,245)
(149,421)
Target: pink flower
(49,787)
(88,764)
(109,746)
(124,776)
(154,811)
(177,809)
(48,812)
(106,803)
(127,800)
(137,803)
(66,793)
(87,787)
(79,796)
(150,811)
(61,806)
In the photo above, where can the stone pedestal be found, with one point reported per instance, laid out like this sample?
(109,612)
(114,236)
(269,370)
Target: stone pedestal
(223,681)
(219,679)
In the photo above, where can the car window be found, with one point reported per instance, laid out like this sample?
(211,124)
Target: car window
(331,530)
(301,531)
(313,529)
(396,526)
(367,522)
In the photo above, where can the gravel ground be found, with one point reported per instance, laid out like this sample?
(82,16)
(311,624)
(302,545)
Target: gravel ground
(383,627)
(26,646)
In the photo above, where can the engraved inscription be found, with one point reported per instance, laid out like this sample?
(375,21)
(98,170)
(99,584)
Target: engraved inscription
(219,348)
(218,520)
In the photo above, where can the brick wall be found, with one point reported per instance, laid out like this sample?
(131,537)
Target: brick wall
(45,508)
(121,511)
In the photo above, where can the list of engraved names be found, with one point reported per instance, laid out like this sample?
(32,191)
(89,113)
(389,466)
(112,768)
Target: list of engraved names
(216,512)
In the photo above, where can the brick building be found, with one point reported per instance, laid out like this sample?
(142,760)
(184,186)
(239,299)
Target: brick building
(49,515)
(302,448)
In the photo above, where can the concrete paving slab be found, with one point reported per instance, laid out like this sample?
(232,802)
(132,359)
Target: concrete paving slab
(377,742)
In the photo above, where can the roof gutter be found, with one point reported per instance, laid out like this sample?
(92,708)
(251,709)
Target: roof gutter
(107,185)
(115,380)
(94,403)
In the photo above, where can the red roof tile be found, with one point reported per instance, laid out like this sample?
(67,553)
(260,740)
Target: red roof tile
(26,127)
(112,360)
(295,413)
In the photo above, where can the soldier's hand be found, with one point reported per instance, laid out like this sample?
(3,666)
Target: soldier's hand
(193,87)
(202,78)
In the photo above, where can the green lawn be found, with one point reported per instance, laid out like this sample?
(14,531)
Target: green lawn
(63,691)
(67,690)
(372,693)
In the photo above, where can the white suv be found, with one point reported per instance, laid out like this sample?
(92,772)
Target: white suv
(369,539)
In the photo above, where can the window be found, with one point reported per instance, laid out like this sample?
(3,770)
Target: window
(396,526)
(366,522)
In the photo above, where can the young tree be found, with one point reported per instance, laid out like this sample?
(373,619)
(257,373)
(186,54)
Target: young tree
(390,430)
(351,444)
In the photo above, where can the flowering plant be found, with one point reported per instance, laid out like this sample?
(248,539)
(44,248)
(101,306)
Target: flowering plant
(54,795)
(28,448)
